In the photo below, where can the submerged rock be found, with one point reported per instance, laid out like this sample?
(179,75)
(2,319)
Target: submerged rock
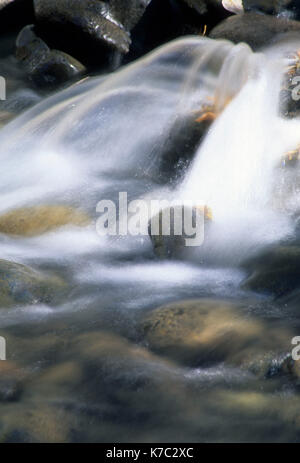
(255,29)
(45,67)
(32,221)
(275,272)
(20,284)
(234,6)
(202,333)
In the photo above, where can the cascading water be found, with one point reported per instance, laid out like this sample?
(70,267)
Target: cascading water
(110,134)
(235,168)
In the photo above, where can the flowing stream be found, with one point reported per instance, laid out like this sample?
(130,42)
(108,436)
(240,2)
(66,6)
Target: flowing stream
(106,135)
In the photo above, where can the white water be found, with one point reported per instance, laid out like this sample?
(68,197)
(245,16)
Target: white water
(106,135)
(236,168)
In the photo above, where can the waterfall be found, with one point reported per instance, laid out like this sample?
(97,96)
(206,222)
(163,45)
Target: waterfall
(107,134)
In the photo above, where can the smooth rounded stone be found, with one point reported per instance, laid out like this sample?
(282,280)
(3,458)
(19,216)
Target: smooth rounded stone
(193,223)
(169,19)
(276,272)
(14,13)
(200,332)
(45,67)
(57,68)
(289,94)
(94,27)
(5,117)
(36,220)
(20,284)
(101,346)
(107,374)
(255,29)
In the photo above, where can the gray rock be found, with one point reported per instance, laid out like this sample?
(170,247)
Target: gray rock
(45,67)
(255,29)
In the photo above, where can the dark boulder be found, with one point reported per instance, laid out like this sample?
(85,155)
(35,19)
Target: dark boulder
(45,67)
(23,285)
(255,29)
(15,13)
(175,231)
(169,19)
(180,146)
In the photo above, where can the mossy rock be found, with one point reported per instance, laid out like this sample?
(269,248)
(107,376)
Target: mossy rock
(275,272)
(36,220)
(20,284)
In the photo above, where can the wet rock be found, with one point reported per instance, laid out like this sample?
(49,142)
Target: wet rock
(91,31)
(256,29)
(5,117)
(275,272)
(36,220)
(20,284)
(202,333)
(170,19)
(289,94)
(181,144)
(33,422)
(199,332)
(289,7)
(175,230)
(45,67)
(10,381)
(15,13)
